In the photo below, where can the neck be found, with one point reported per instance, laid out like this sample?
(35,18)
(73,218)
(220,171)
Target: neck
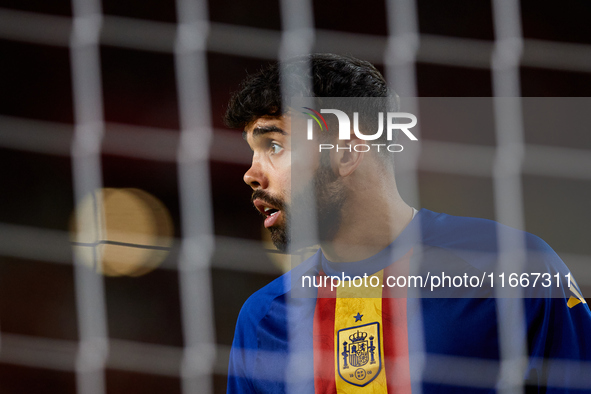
(374,220)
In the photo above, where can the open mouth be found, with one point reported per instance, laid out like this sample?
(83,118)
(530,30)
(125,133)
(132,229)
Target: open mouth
(270,213)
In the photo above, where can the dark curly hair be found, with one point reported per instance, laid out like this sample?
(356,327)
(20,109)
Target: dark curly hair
(332,76)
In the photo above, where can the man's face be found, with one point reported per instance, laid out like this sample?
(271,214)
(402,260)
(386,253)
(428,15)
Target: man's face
(270,173)
(270,178)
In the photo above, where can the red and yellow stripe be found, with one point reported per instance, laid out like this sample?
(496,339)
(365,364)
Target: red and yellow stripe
(335,310)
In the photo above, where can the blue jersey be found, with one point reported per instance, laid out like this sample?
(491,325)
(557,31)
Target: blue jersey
(300,334)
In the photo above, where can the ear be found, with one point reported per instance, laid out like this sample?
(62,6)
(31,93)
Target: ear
(347,159)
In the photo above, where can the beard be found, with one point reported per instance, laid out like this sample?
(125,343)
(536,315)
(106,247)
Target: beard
(329,194)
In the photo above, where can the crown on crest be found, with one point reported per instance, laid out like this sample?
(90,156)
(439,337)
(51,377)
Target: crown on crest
(358,336)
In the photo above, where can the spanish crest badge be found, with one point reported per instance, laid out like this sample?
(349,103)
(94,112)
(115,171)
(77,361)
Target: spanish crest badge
(359,361)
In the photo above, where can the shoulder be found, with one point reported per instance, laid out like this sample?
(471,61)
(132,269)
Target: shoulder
(256,307)
(476,240)
(257,357)
(271,297)
(464,232)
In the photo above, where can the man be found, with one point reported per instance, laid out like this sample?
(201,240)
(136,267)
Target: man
(306,333)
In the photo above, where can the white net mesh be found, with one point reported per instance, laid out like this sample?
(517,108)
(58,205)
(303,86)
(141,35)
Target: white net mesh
(92,332)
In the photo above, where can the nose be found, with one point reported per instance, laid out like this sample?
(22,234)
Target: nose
(255,176)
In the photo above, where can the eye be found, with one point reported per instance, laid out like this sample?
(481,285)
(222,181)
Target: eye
(275,148)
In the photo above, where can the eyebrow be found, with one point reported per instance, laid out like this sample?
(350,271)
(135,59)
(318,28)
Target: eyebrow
(258,131)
